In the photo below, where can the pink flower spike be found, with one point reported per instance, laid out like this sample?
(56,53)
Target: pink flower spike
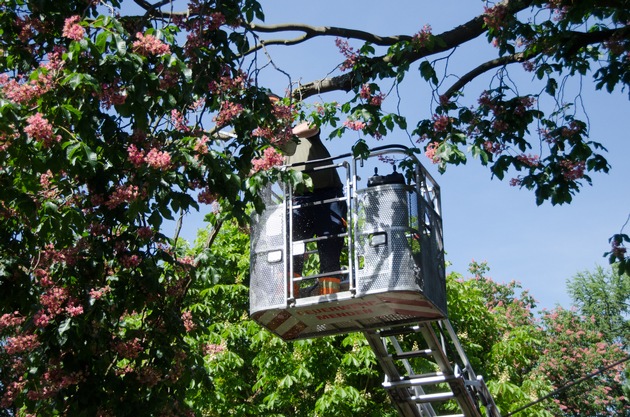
(354,124)
(72,30)
(41,130)
(158,159)
(270,158)
(150,45)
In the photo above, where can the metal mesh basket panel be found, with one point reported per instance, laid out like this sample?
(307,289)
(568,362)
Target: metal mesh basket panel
(386,260)
(268,257)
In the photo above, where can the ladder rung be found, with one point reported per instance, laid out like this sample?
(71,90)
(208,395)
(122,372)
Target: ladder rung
(429,398)
(398,331)
(412,354)
(413,381)
(427,375)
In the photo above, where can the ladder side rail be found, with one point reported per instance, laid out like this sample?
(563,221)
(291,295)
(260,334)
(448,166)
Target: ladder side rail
(401,397)
(464,398)
(418,390)
(458,347)
(476,382)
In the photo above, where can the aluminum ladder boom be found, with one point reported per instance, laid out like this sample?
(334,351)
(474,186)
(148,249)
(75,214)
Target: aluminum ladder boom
(447,374)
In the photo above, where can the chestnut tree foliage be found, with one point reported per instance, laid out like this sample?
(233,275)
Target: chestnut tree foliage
(119,116)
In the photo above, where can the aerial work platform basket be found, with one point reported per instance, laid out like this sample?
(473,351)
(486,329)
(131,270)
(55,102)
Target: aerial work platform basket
(392,263)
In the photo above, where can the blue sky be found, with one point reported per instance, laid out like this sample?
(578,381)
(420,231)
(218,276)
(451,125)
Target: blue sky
(484,219)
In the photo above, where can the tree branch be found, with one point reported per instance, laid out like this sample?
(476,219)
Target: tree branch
(486,66)
(312,31)
(572,44)
(449,40)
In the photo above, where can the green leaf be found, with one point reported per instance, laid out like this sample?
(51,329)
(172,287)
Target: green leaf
(101,41)
(428,72)
(63,329)
(121,45)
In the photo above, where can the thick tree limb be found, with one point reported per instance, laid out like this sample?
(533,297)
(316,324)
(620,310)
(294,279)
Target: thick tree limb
(314,31)
(449,40)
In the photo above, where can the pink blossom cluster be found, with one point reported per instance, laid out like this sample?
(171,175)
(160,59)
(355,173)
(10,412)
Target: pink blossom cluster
(524,103)
(201,145)
(40,129)
(189,324)
(11,320)
(422,38)
(97,294)
(130,261)
(430,152)
(55,61)
(53,299)
(355,124)
(228,112)
(179,121)
(493,147)
(168,77)
(112,95)
(215,20)
(98,229)
(346,50)
(207,196)
(529,160)
(72,30)
(149,376)
(21,343)
(145,232)
(573,129)
(485,100)
(572,170)
(373,99)
(25,92)
(5,142)
(43,277)
(150,45)
(49,191)
(494,17)
(228,84)
(129,349)
(197,104)
(198,28)
(441,123)
(281,133)
(270,158)
(529,66)
(559,9)
(214,349)
(28,27)
(11,391)
(135,155)
(516,182)
(500,125)
(158,159)
(74,308)
(53,381)
(123,194)
(68,255)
